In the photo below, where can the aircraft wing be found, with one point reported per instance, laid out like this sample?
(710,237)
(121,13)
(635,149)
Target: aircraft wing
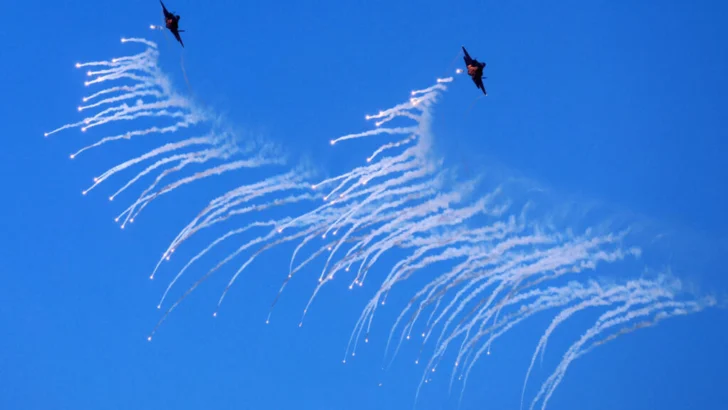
(467,58)
(167,14)
(176,35)
(479,83)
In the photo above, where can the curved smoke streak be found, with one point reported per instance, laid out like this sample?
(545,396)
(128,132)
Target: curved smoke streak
(487,276)
(139,90)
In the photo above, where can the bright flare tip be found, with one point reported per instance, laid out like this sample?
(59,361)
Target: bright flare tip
(332,142)
(149,339)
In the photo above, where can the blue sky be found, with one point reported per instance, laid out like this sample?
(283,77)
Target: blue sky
(616,103)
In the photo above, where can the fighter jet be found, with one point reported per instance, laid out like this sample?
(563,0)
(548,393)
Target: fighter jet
(475,70)
(172,23)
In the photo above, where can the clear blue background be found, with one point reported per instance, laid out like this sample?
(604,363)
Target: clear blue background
(618,102)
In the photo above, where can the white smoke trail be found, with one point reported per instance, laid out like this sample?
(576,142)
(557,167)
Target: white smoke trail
(138,78)
(488,266)
(366,198)
(657,309)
